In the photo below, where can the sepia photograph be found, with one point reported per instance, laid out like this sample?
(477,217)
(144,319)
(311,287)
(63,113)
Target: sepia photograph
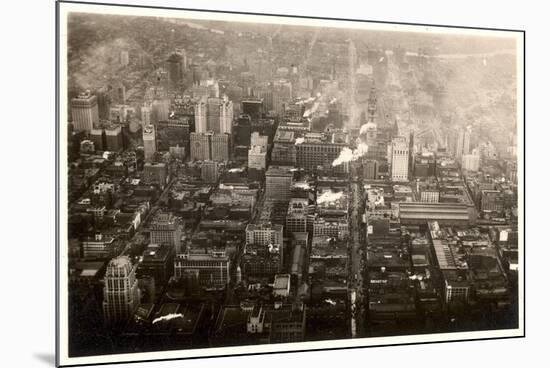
(236,183)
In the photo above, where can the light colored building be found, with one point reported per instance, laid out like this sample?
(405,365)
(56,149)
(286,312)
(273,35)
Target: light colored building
(85,112)
(334,228)
(226,116)
(399,159)
(124,58)
(149,142)
(265,234)
(200,117)
(121,295)
(257,158)
(167,229)
(256,139)
(146,115)
(211,270)
(281,286)
(98,246)
(470,162)
(429,195)
(161,110)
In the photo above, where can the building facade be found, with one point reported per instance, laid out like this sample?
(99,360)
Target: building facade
(85,112)
(121,295)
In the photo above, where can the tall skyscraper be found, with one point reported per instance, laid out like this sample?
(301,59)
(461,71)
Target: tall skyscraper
(462,143)
(399,159)
(200,117)
(121,295)
(213,114)
(226,115)
(145,115)
(200,146)
(470,162)
(149,142)
(175,68)
(220,146)
(160,110)
(282,95)
(85,112)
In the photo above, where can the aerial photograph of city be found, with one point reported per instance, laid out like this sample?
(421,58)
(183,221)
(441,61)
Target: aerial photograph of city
(233,183)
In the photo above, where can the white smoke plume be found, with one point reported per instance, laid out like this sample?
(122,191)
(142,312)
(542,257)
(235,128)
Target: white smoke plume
(236,170)
(347,155)
(363,129)
(302,185)
(299,141)
(329,196)
(309,112)
(168,317)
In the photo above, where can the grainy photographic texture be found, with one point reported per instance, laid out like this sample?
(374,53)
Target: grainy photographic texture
(279,184)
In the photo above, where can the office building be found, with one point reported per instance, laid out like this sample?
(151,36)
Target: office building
(399,159)
(213,114)
(211,270)
(257,158)
(278,182)
(470,162)
(98,246)
(296,216)
(155,173)
(256,139)
(96,136)
(459,141)
(200,146)
(282,95)
(113,138)
(175,68)
(200,117)
(157,262)
(149,142)
(84,111)
(160,110)
(209,171)
(121,295)
(172,133)
(167,229)
(252,107)
(265,234)
(146,115)
(370,169)
(319,150)
(220,147)
(226,116)
(491,201)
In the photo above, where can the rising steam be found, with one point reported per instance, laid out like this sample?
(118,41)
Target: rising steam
(348,155)
(168,317)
